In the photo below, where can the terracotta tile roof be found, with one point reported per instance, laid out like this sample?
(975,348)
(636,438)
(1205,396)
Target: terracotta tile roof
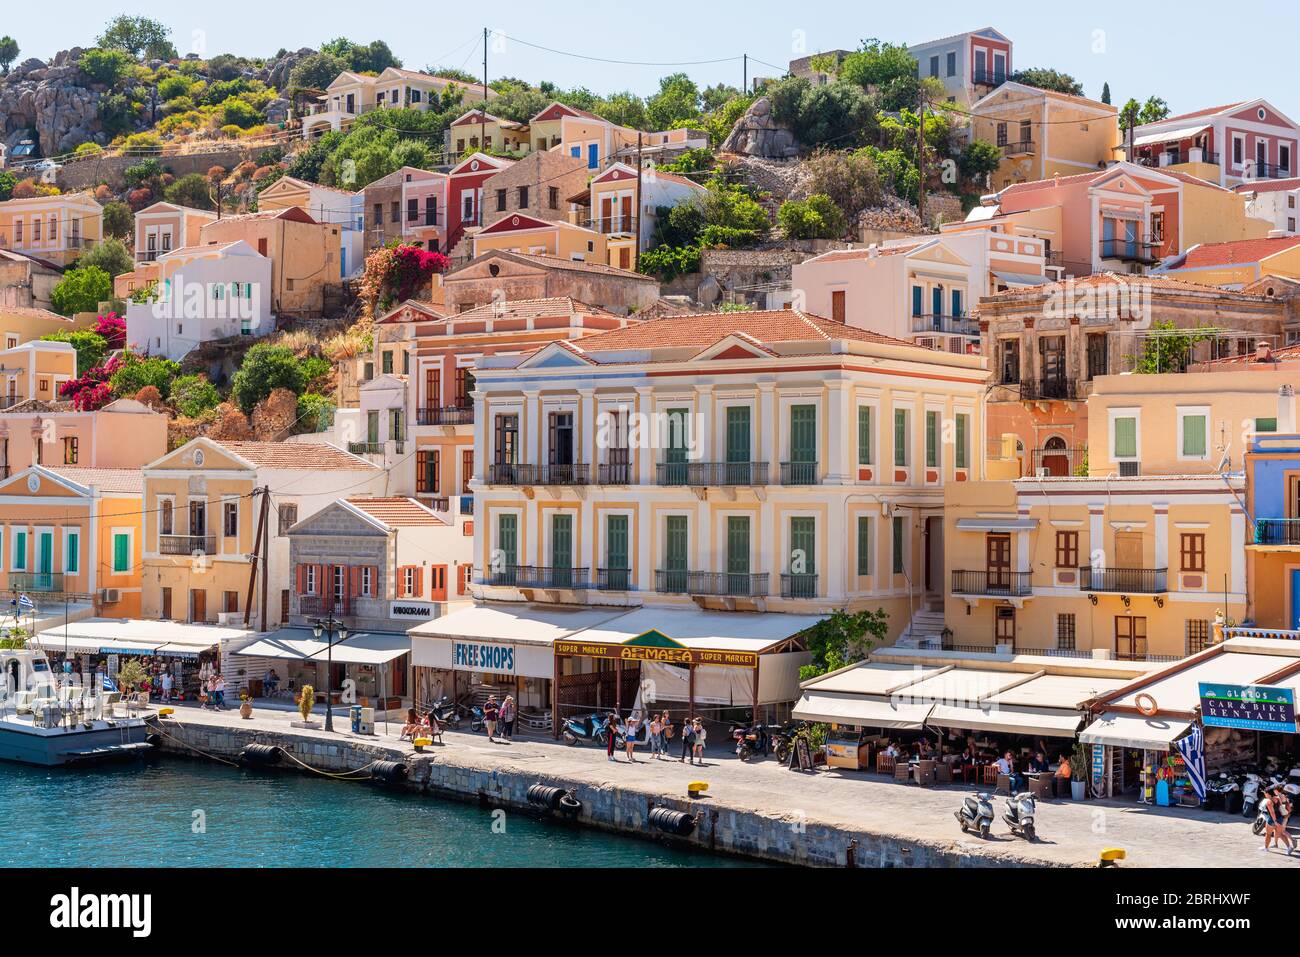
(315,456)
(30,312)
(1208,111)
(431,312)
(1243,251)
(1268,185)
(531,309)
(106,480)
(846,255)
(396,511)
(289,212)
(1285,354)
(554,262)
(1156,283)
(702,330)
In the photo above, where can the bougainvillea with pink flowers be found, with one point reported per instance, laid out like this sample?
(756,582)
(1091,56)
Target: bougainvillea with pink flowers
(113,328)
(396,273)
(91,391)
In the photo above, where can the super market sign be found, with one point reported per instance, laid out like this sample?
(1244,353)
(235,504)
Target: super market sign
(481,656)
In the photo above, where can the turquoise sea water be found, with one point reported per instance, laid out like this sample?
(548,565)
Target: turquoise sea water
(149,814)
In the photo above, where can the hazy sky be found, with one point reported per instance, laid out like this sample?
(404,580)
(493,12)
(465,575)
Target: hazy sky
(1194,54)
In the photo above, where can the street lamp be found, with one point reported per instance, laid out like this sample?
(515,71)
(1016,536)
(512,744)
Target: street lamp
(328,626)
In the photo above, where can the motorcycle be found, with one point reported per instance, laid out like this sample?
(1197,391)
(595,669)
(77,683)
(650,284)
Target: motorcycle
(783,740)
(592,729)
(1020,814)
(445,712)
(477,720)
(975,814)
(750,740)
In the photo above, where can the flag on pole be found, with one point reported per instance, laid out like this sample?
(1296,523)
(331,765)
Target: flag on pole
(1193,751)
(26,603)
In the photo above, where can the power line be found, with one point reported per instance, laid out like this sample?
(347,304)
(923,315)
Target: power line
(597,59)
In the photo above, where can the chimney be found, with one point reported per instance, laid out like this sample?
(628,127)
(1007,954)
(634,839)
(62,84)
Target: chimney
(1286,410)
(1263,352)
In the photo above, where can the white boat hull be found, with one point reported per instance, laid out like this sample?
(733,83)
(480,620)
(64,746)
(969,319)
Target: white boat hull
(55,746)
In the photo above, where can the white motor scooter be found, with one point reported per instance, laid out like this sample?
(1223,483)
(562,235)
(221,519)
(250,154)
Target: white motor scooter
(1020,814)
(975,814)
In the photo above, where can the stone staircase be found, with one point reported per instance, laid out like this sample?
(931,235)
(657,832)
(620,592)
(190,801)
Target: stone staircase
(926,623)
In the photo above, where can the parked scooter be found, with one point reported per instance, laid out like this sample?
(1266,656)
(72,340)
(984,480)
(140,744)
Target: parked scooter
(751,740)
(783,740)
(590,729)
(445,712)
(1261,816)
(975,814)
(1020,814)
(477,719)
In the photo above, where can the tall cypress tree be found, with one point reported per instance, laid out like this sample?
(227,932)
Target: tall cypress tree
(1105,93)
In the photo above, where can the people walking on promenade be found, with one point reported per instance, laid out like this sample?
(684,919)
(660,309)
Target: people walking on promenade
(167,686)
(629,737)
(611,723)
(655,737)
(700,736)
(491,711)
(508,718)
(688,739)
(664,725)
(219,687)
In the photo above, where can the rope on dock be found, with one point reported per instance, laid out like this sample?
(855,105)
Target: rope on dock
(186,744)
(343,775)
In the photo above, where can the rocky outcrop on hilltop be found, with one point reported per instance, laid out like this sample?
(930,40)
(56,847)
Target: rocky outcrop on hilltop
(276,74)
(757,133)
(55,100)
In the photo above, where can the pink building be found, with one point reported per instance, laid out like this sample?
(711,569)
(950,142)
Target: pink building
(465,194)
(1228,145)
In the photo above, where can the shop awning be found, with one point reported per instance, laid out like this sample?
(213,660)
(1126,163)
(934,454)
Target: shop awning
(1020,279)
(751,631)
(364,648)
(1049,723)
(1134,731)
(516,624)
(858,710)
(1170,136)
(996,524)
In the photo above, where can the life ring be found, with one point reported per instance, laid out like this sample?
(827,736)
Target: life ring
(1147,709)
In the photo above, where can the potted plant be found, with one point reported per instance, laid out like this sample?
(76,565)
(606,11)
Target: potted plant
(306,701)
(1080,769)
(246,705)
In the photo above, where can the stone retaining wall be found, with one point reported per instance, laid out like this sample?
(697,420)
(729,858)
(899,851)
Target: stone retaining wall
(623,810)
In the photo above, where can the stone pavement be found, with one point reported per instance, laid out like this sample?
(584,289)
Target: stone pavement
(1070,833)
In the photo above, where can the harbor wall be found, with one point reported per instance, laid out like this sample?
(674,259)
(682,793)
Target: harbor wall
(625,810)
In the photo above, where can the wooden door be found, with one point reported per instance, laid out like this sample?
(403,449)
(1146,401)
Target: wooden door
(166,604)
(1130,637)
(1004,632)
(606,214)
(997,560)
(837,305)
(625,215)
(198,605)
(625,258)
(438,590)
(1128,550)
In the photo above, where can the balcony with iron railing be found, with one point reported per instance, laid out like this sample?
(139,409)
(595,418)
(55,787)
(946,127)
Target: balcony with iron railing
(1018,148)
(366,448)
(147,255)
(614,579)
(1257,170)
(931,323)
(799,585)
(1127,581)
(1129,250)
(705,474)
(1277,531)
(446,415)
(506,474)
(988,77)
(616,473)
(554,576)
(798,473)
(996,582)
(36,581)
(719,584)
(1050,388)
(187,544)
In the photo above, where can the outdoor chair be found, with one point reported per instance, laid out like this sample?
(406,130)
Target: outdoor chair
(1004,785)
(943,773)
(885,763)
(23,701)
(902,771)
(990,774)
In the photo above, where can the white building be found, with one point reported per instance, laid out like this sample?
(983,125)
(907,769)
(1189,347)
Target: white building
(1275,200)
(203,293)
(969,65)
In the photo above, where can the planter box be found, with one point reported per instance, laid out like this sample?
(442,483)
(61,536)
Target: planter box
(310,725)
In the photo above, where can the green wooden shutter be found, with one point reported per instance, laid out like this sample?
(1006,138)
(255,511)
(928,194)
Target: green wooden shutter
(803,433)
(616,541)
(1194,428)
(508,539)
(20,550)
(864,544)
(738,554)
(372,427)
(738,433)
(963,453)
(900,437)
(898,545)
(46,560)
(803,538)
(675,542)
(72,560)
(865,438)
(1126,437)
(931,439)
(562,541)
(676,471)
(121,553)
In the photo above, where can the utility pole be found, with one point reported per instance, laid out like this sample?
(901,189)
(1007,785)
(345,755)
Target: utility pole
(482,116)
(256,557)
(636,216)
(744,75)
(920,160)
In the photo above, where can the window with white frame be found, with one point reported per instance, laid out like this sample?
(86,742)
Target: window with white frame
(311,579)
(1125,435)
(367,581)
(71,550)
(1193,433)
(19,560)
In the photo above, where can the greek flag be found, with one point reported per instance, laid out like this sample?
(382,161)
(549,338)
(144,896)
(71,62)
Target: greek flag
(1193,752)
(26,603)
(109,684)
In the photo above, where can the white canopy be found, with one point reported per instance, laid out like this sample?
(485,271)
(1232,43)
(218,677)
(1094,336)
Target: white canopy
(1048,722)
(1134,731)
(517,623)
(1170,136)
(867,712)
(750,631)
(140,636)
(1021,279)
(365,648)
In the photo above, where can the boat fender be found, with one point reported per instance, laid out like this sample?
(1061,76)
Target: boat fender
(570,805)
(260,754)
(389,771)
(673,822)
(541,795)
(153,740)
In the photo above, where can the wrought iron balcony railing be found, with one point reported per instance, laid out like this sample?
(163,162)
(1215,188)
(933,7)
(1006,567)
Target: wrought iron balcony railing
(734,584)
(446,415)
(36,581)
(1003,583)
(614,579)
(1277,531)
(701,474)
(575,474)
(1129,250)
(1066,389)
(1018,148)
(1059,461)
(802,585)
(187,544)
(1129,581)
(366,448)
(616,473)
(988,78)
(798,473)
(952,325)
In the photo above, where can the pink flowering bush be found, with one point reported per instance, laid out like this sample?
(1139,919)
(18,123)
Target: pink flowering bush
(113,328)
(91,391)
(396,273)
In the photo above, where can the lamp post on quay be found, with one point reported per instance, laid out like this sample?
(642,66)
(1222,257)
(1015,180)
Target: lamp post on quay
(328,626)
